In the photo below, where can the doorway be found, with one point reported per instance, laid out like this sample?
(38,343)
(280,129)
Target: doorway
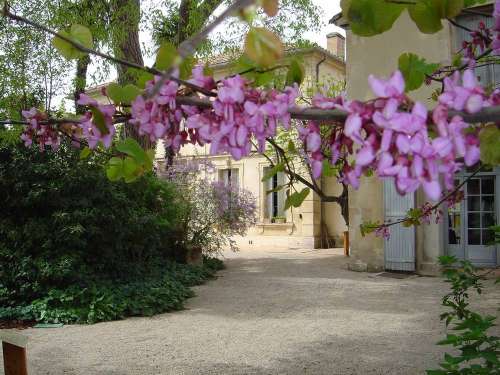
(467,226)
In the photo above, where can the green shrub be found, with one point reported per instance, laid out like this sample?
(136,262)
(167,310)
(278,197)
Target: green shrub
(105,300)
(75,247)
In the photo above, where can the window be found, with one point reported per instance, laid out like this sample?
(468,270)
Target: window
(229,177)
(275,201)
(489,74)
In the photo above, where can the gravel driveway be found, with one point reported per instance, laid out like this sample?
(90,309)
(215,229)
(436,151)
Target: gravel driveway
(280,312)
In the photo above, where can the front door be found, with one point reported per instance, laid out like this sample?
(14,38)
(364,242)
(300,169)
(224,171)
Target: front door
(468,234)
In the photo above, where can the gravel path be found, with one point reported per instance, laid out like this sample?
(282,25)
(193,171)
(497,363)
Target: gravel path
(280,312)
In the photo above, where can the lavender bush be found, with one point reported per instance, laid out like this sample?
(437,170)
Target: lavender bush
(216,211)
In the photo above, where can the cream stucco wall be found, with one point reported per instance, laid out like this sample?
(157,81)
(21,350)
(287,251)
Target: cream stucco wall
(303,225)
(378,55)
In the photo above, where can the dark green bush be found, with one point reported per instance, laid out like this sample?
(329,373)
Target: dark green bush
(75,247)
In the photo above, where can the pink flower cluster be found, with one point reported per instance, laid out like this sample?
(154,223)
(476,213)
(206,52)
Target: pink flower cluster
(90,129)
(496,28)
(389,135)
(311,138)
(483,38)
(159,117)
(392,138)
(37,131)
(238,114)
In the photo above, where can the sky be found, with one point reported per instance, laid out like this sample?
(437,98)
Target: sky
(330,8)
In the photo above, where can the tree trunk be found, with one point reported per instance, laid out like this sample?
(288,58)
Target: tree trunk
(344,204)
(126,45)
(80,81)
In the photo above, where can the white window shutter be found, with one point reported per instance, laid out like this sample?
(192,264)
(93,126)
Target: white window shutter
(235,182)
(281,194)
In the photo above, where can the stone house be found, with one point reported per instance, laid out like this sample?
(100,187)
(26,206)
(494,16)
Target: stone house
(463,232)
(314,224)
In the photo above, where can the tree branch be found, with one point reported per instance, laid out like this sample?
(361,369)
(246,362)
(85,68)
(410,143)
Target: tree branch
(188,47)
(441,201)
(114,59)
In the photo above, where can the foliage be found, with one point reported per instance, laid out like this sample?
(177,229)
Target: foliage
(415,70)
(372,17)
(31,71)
(294,17)
(217,211)
(392,136)
(479,350)
(101,300)
(69,237)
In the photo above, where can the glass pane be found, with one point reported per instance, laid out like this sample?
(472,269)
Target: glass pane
(454,228)
(474,220)
(473,203)
(474,237)
(488,237)
(488,203)
(473,186)
(488,220)
(487,185)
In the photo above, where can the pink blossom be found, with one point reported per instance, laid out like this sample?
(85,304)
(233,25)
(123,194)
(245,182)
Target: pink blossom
(468,96)
(393,87)
(200,79)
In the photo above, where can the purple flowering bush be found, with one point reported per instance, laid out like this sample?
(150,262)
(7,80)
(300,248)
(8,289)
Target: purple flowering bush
(216,212)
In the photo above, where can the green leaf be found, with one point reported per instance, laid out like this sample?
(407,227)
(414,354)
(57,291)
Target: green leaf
(280,167)
(415,69)
(328,169)
(130,147)
(114,92)
(166,56)
(122,95)
(99,120)
(79,34)
(297,198)
(368,227)
(129,93)
(143,78)
(114,169)
(263,79)
(427,14)
(291,147)
(186,67)
(85,153)
(131,170)
(489,142)
(295,73)
(263,46)
(457,60)
(370,17)
(451,8)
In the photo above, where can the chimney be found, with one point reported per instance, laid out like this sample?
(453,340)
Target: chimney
(335,43)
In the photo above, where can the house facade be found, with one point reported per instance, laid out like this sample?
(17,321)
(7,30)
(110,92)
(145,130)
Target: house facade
(314,224)
(464,230)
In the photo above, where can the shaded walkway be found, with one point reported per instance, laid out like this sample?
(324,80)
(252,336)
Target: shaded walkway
(280,312)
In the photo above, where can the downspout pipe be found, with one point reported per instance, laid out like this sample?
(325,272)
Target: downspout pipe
(321,230)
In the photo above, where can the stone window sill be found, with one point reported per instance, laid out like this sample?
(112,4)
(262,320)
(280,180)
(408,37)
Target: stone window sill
(281,226)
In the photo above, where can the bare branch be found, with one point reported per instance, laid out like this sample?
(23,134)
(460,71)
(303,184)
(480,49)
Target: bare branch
(188,47)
